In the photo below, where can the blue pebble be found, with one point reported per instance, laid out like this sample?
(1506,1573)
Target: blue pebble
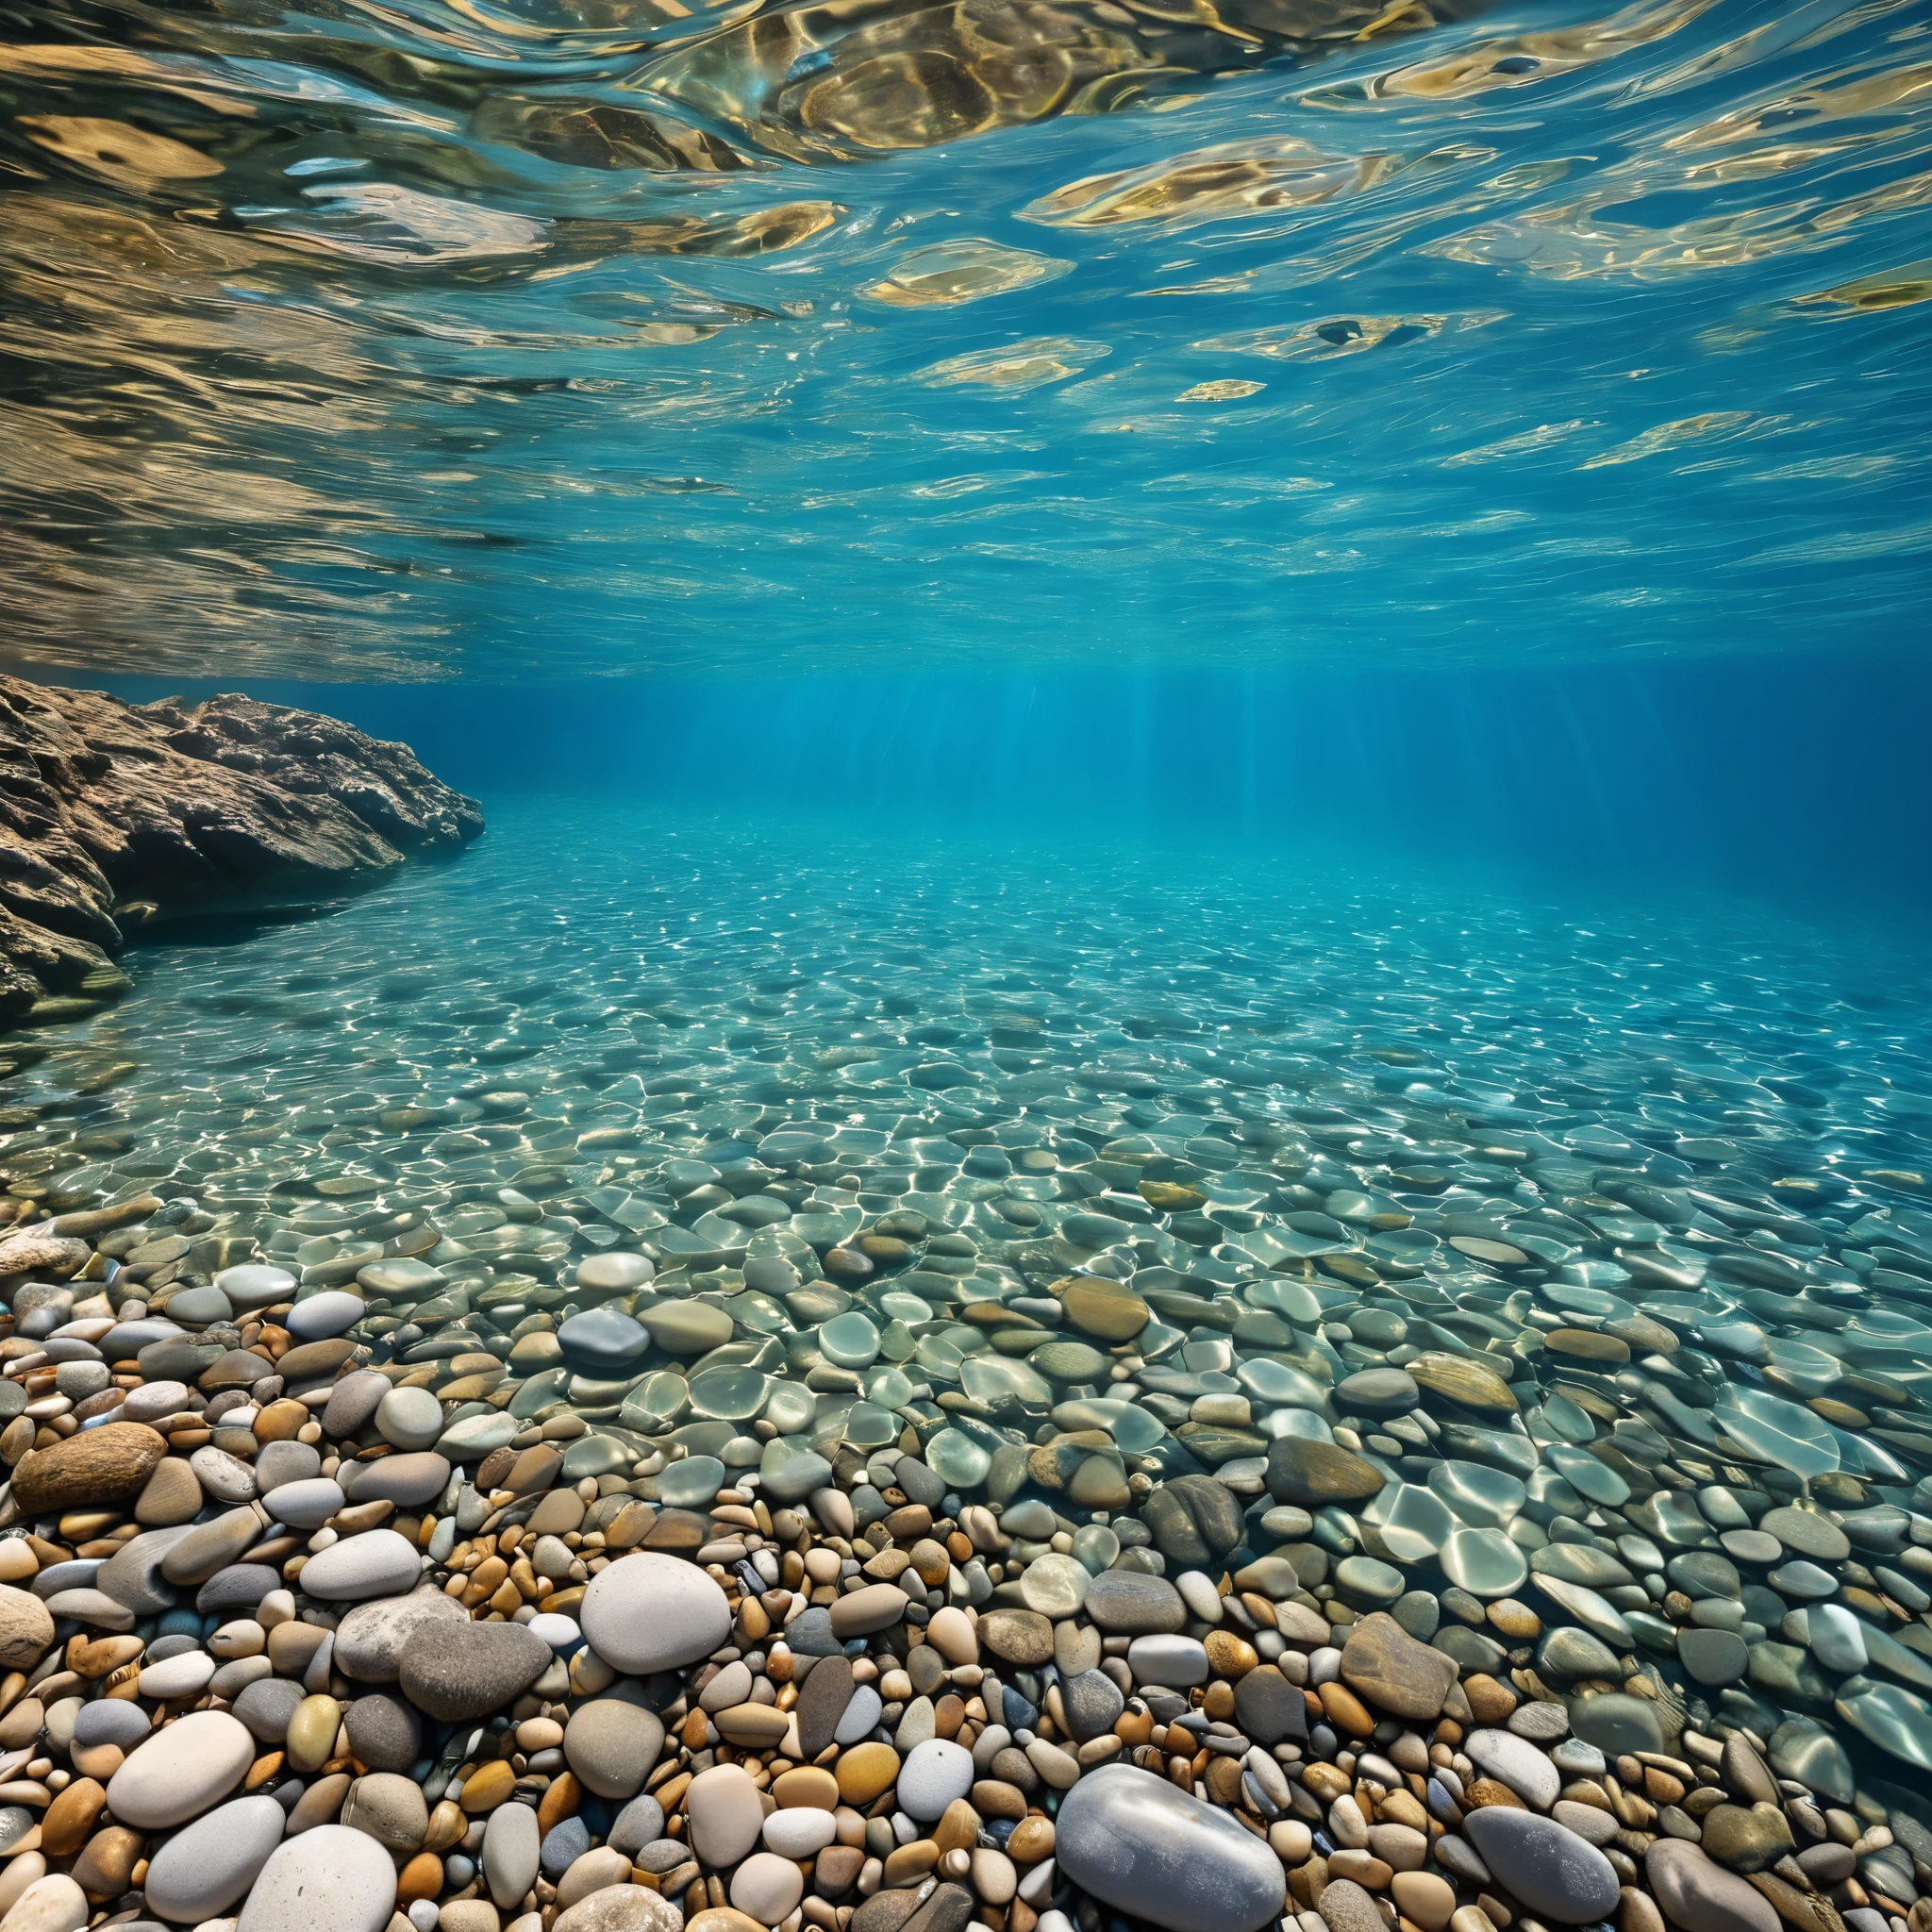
(458,1870)
(566,1842)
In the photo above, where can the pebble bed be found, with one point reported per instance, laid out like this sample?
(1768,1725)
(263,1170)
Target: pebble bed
(896,1405)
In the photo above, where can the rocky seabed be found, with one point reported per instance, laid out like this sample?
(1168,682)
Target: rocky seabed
(1031,1475)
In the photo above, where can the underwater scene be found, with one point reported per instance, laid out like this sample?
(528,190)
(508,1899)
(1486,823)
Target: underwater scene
(962,966)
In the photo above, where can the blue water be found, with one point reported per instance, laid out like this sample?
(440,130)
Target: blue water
(1270,648)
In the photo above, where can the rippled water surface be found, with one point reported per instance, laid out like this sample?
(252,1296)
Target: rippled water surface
(369,340)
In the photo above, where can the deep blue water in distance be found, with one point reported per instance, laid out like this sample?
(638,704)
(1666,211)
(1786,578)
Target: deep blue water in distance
(1799,783)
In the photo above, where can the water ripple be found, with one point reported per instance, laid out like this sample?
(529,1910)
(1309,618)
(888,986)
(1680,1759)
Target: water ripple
(403,339)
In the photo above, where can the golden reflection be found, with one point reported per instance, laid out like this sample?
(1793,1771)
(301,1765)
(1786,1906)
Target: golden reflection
(1894,288)
(128,156)
(1521,59)
(968,269)
(1661,437)
(1017,367)
(846,80)
(1212,184)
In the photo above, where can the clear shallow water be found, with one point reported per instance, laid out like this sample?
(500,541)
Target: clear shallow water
(599,992)
(367,342)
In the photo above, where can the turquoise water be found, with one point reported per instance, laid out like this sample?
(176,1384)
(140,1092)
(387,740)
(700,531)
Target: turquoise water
(1268,650)
(363,341)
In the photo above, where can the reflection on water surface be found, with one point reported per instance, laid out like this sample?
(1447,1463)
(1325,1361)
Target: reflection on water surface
(391,340)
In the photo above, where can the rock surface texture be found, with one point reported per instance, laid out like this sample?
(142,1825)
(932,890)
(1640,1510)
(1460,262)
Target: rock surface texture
(114,815)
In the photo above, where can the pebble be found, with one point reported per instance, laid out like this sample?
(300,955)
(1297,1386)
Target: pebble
(1700,1895)
(378,1563)
(1142,1847)
(329,1876)
(456,1669)
(649,1612)
(176,1773)
(202,1870)
(1555,1872)
(947,1539)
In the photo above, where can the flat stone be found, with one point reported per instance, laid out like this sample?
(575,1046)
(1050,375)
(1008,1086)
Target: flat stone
(650,1613)
(1313,1473)
(1126,1602)
(377,1563)
(821,1703)
(611,1744)
(463,1670)
(352,1402)
(110,1464)
(329,1876)
(201,1871)
(1377,1392)
(1713,1656)
(1700,1895)
(266,1707)
(179,1771)
(1517,1763)
(1617,1722)
(725,1815)
(1269,1709)
(385,1733)
(1017,1636)
(1388,1666)
(1138,1844)
(1807,1533)
(513,1853)
(1555,1872)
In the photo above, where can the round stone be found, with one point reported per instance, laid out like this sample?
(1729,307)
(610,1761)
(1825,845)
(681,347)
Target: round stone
(179,1771)
(1484,1562)
(1713,1656)
(322,1317)
(614,1272)
(725,1814)
(409,1419)
(933,1775)
(1138,1844)
(650,1613)
(1555,1872)
(377,1563)
(1055,1586)
(766,1888)
(455,1671)
(611,1744)
(605,1338)
(330,1875)
(201,1871)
